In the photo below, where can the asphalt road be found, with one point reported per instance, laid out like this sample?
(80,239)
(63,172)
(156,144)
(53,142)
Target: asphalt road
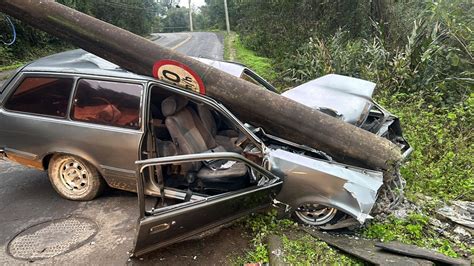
(198,44)
(27,199)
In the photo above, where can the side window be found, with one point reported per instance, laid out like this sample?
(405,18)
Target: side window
(42,95)
(107,103)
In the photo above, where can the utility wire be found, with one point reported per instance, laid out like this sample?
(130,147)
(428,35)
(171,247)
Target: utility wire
(7,18)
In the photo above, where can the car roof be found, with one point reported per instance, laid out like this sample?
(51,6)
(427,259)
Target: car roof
(81,62)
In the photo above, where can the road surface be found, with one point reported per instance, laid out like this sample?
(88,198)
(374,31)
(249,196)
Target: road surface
(198,44)
(27,199)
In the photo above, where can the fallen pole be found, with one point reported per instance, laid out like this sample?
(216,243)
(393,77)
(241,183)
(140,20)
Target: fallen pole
(276,114)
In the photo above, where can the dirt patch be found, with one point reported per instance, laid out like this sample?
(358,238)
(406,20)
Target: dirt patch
(218,249)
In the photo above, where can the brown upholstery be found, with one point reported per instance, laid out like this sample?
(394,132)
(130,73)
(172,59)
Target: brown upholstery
(190,136)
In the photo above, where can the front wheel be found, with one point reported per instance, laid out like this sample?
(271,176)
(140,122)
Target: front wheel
(74,178)
(315,214)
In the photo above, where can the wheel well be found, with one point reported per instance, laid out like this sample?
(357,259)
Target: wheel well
(46,160)
(48,157)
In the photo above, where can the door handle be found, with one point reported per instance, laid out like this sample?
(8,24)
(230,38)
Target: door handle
(159,228)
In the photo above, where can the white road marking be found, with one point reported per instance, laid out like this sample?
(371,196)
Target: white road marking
(183,42)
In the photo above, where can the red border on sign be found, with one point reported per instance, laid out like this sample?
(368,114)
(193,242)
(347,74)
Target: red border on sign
(158,64)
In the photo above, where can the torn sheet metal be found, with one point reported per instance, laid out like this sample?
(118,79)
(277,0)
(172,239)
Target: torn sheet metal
(364,249)
(461,212)
(418,252)
(348,98)
(307,180)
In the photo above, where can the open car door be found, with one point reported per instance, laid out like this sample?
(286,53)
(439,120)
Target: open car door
(164,226)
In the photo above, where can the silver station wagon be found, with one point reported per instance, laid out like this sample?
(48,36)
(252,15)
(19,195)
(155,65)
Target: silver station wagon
(91,124)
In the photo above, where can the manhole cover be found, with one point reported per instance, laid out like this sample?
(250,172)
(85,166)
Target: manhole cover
(52,238)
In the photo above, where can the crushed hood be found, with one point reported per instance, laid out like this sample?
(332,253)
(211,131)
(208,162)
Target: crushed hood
(341,96)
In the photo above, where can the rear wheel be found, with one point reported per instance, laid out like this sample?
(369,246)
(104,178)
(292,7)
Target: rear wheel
(74,178)
(315,214)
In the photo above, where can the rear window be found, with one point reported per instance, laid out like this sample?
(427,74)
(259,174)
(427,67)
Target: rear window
(108,103)
(42,95)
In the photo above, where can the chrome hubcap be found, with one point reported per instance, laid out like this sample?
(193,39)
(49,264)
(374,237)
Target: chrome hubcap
(315,214)
(74,176)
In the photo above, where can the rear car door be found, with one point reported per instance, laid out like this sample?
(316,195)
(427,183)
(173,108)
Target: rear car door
(175,223)
(95,119)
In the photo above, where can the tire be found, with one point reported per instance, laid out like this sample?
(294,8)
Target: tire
(74,178)
(314,214)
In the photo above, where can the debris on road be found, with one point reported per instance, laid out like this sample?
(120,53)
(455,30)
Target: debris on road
(417,252)
(365,249)
(461,212)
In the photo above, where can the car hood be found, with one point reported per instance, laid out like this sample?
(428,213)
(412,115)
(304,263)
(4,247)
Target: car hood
(347,98)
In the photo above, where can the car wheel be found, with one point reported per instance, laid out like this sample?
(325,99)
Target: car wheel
(74,178)
(315,214)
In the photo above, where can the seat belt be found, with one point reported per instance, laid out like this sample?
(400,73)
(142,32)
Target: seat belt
(153,153)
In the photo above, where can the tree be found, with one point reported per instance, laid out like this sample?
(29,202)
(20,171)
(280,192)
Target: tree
(177,19)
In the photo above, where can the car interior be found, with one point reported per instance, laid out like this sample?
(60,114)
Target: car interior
(182,126)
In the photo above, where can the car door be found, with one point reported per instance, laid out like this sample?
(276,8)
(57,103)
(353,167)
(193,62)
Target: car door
(168,225)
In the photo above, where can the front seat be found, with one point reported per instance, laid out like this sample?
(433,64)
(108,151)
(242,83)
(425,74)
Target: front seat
(190,136)
(225,138)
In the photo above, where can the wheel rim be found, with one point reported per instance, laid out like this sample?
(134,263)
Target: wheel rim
(74,176)
(315,214)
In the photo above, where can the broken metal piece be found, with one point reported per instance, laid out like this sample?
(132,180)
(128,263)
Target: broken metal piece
(417,252)
(341,224)
(365,249)
(461,212)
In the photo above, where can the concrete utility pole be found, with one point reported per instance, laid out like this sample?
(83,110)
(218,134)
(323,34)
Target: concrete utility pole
(227,24)
(190,17)
(276,114)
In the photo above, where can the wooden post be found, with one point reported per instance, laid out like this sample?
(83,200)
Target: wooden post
(227,23)
(278,115)
(190,17)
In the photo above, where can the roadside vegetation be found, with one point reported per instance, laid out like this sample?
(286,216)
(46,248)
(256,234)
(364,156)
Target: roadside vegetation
(235,51)
(298,247)
(137,16)
(419,54)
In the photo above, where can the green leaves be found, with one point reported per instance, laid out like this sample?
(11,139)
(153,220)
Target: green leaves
(414,229)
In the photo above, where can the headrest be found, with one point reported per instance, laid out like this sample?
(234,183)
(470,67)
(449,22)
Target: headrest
(172,105)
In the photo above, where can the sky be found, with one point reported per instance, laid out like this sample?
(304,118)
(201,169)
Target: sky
(196,3)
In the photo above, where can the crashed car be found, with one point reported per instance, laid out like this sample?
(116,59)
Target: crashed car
(194,165)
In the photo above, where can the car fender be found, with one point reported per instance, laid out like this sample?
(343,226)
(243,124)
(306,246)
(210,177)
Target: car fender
(307,180)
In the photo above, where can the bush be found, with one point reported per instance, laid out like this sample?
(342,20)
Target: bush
(427,82)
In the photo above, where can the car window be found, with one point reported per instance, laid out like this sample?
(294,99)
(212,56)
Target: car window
(246,77)
(42,95)
(107,103)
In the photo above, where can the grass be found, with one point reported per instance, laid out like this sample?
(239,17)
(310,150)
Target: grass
(9,60)
(234,50)
(441,163)
(12,66)
(298,247)
(415,230)
(306,250)
(440,166)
